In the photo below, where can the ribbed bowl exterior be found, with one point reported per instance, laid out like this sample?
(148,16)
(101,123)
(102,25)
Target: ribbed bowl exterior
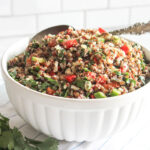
(72,119)
(55,119)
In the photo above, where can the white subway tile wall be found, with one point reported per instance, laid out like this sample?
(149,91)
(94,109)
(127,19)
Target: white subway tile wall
(20,18)
(5,7)
(10,26)
(128,3)
(72,18)
(141,14)
(84,4)
(23,7)
(107,18)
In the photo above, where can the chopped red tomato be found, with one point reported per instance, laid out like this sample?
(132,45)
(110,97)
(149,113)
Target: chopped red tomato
(123,69)
(70,43)
(95,60)
(101,30)
(69,31)
(28,61)
(52,73)
(50,91)
(91,75)
(70,78)
(92,96)
(59,68)
(125,49)
(54,53)
(101,79)
(52,43)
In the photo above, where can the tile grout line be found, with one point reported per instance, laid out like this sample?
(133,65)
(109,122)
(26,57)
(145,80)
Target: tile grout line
(71,11)
(12,36)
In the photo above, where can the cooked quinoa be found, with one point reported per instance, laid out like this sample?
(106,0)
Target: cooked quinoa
(81,64)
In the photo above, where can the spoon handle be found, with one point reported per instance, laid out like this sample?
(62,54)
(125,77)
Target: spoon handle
(138,28)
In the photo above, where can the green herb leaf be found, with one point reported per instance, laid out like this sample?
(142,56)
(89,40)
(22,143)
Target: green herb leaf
(52,81)
(142,65)
(35,44)
(117,73)
(12,139)
(80,83)
(13,74)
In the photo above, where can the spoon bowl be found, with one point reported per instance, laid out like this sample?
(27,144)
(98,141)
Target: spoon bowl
(52,30)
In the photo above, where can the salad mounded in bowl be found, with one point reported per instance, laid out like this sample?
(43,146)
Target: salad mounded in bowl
(81,64)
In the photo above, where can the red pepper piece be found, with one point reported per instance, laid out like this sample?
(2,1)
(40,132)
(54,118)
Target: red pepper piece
(122,69)
(70,43)
(101,30)
(101,79)
(70,78)
(50,91)
(111,85)
(125,49)
(69,31)
(91,75)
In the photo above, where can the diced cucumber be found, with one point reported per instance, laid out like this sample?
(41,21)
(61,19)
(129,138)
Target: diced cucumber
(100,39)
(61,40)
(100,95)
(86,69)
(88,85)
(133,82)
(126,73)
(116,40)
(127,80)
(38,59)
(115,92)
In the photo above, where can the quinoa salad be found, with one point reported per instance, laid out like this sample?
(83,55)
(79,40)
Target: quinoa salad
(81,64)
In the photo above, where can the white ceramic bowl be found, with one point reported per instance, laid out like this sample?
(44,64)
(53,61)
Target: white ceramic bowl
(67,118)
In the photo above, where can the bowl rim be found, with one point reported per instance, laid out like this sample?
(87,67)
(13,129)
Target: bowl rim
(5,73)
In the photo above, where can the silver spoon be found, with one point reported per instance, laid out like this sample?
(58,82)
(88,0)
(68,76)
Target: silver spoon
(138,28)
(52,30)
